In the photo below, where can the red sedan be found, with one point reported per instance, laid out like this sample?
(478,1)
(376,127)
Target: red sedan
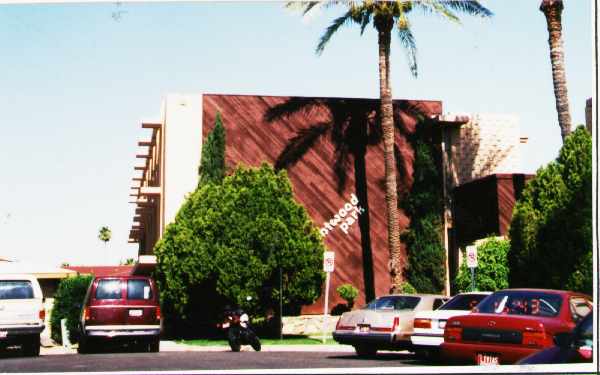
(511,324)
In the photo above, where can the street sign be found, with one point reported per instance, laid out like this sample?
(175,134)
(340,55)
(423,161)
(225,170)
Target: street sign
(328,261)
(471,256)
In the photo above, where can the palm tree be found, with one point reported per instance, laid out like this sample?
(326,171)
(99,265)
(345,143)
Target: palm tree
(384,15)
(552,9)
(353,125)
(104,235)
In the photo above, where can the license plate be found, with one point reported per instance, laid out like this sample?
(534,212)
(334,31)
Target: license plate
(3,334)
(363,329)
(485,359)
(135,312)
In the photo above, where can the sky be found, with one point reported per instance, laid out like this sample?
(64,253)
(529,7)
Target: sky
(76,79)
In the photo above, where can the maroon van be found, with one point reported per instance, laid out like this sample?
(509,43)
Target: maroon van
(122,309)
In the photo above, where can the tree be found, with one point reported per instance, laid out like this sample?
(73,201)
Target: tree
(212,163)
(552,10)
(104,235)
(227,243)
(491,273)
(551,228)
(385,15)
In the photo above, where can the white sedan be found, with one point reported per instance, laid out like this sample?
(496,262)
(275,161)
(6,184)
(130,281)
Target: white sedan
(429,326)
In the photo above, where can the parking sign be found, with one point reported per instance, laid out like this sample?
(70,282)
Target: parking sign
(471,256)
(328,261)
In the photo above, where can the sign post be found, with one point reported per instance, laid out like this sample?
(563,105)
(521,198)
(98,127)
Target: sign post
(472,263)
(328,266)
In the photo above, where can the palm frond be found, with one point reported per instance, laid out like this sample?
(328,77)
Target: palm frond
(437,7)
(407,40)
(470,7)
(332,29)
(366,19)
(291,107)
(300,144)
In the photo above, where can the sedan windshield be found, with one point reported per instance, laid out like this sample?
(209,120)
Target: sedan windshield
(463,302)
(521,303)
(394,303)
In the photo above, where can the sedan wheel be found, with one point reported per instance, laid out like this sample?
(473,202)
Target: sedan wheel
(365,351)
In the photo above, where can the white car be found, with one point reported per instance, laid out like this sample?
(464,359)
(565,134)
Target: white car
(384,324)
(429,326)
(21,312)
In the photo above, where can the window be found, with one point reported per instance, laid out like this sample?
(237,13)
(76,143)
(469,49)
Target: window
(580,307)
(109,289)
(437,303)
(138,289)
(464,302)
(15,289)
(522,303)
(394,303)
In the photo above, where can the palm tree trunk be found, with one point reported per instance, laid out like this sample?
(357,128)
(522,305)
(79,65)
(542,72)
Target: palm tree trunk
(384,26)
(552,9)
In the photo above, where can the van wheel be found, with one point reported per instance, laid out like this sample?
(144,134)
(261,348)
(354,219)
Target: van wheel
(31,346)
(154,345)
(365,351)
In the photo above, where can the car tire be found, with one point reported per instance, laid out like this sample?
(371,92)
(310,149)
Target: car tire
(85,346)
(31,346)
(365,351)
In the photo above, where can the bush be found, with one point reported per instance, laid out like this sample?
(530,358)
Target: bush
(491,273)
(348,293)
(407,288)
(212,163)
(228,241)
(68,301)
(424,205)
(551,229)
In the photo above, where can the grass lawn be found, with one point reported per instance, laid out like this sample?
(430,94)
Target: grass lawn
(287,340)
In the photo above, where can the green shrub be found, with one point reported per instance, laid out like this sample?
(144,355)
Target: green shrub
(227,243)
(348,293)
(491,273)
(551,228)
(68,301)
(407,288)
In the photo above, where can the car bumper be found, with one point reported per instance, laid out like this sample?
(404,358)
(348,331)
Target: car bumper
(387,340)
(121,331)
(16,334)
(467,352)
(426,340)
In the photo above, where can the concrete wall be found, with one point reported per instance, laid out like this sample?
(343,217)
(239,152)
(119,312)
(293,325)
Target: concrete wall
(182,119)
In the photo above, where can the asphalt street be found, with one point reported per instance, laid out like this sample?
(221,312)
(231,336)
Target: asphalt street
(174,361)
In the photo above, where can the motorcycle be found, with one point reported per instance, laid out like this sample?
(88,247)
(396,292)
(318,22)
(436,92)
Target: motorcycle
(239,332)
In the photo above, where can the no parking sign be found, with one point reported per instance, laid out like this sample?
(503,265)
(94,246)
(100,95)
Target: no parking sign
(328,261)
(471,256)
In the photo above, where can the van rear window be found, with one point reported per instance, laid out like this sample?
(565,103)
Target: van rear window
(138,289)
(16,289)
(109,289)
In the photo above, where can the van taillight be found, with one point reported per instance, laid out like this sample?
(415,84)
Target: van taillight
(422,323)
(42,314)
(396,323)
(86,314)
(158,313)
(535,336)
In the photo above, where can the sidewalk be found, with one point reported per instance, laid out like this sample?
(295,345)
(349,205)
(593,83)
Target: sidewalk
(172,346)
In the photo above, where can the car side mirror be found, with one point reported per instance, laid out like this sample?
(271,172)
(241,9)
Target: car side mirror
(562,340)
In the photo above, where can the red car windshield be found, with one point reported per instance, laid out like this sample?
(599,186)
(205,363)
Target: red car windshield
(521,303)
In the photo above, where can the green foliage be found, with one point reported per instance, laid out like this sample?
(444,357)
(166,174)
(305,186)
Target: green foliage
(68,301)
(407,288)
(212,163)
(348,293)
(491,273)
(551,229)
(228,241)
(104,234)
(424,205)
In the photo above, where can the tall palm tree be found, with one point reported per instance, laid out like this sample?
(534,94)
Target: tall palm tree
(384,15)
(552,9)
